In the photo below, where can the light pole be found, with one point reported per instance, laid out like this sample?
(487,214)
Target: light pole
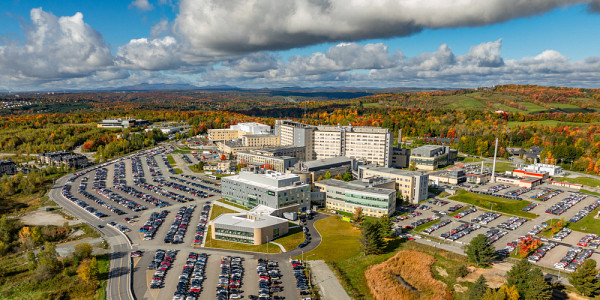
(492,207)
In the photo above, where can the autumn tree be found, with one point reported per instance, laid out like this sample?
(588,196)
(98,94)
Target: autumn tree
(358,216)
(412,166)
(327,175)
(82,251)
(88,270)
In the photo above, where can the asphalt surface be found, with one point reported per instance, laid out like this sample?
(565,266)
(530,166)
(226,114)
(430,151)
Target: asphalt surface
(121,285)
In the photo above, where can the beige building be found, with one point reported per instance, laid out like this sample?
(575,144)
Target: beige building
(248,228)
(375,196)
(432,157)
(260,140)
(223,166)
(413,186)
(277,163)
(238,131)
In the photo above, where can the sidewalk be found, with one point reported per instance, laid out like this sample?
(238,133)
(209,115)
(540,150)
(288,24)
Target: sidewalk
(329,286)
(228,206)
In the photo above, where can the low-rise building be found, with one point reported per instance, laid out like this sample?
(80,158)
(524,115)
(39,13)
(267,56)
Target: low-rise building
(282,192)
(432,157)
(318,168)
(552,170)
(248,228)
(375,196)
(453,176)
(68,159)
(222,166)
(238,131)
(527,182)
(277,163)
(7,167)
(122,123)
(293,151)
(260,140)
(413,186)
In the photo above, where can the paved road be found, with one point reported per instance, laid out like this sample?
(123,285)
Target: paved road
(118,286)
(329,285)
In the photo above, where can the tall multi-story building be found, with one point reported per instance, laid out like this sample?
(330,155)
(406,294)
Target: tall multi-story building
(282,192)
(369,144)
(413,186)
(122,123)
(296,134)
(375,196)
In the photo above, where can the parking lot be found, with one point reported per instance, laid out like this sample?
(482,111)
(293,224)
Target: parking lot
(159,210)
(562,203)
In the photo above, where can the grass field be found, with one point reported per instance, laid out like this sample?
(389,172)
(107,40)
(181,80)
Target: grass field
(551,123)
(218,210)
(232,204)
(589,192)
(568,108)
(346,214)
(342,251)
(177,170)
(580,180)
(533,108)
(104,268)
(501,167)
(340,240)
(503,205)
(588,224)
(182,152)
(210,243)
(463,102)
(171,160)
(468,159)
(292,239)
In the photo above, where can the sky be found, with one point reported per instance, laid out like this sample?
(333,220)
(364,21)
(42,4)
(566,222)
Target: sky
(89,44)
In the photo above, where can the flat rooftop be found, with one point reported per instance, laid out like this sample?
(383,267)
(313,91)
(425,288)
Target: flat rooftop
(392,171)
(326,162)
(248,220)
(356,185)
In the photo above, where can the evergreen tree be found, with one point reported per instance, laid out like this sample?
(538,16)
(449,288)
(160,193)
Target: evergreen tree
(386,226)
(371,238)
(536,287)
(461,271)
(478,288)
(478,251)
(31,260)
(584,279)
(517,275)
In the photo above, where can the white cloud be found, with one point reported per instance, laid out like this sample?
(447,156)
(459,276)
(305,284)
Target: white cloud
(216,27)
(142,5)
(54,48)
(150,54)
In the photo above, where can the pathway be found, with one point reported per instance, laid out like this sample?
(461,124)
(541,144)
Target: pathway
(329,285)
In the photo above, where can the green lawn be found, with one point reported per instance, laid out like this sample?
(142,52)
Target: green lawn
(177,170)
(551,123)
(569,108)
(463,102)
(218,210)
(171,160)
(454,213)
(500,204)
(426,225)
(340,240)
(182,152)
(232,204)
(104,268)
(532,107)
(502,167)
(588,224)
(210,243)
(292,239)
(468,159)
(579,180)
(589,192)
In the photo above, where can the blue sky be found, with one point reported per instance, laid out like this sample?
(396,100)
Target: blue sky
(267,43)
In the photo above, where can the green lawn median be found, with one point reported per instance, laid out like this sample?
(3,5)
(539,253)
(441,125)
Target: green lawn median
(496,204)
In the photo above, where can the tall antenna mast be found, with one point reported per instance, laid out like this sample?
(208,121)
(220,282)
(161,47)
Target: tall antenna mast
(494,164)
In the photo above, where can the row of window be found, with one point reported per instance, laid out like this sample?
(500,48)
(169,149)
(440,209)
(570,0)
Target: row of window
(234,232)
(233,239)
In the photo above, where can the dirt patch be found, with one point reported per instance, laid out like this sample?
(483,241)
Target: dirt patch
(77,233)
(575,296)
(441,271)
(415,270)
(495,276)
(459,288)
(39,218)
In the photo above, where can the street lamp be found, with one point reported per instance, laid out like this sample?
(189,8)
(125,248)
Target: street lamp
(492,207)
